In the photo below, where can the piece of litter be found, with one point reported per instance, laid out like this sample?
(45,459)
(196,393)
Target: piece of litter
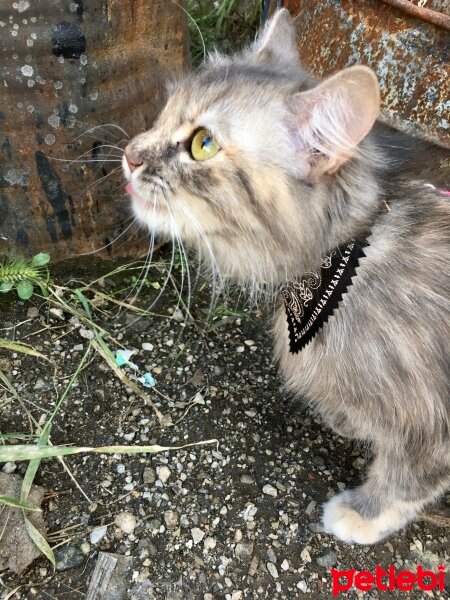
(122,358)
(147,380)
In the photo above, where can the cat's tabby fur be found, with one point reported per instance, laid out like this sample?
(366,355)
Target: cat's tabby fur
(298,174)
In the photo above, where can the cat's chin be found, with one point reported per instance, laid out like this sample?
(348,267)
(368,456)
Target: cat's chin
(147,212)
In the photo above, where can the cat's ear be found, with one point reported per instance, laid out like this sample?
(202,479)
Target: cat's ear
(328,122)
(276,43)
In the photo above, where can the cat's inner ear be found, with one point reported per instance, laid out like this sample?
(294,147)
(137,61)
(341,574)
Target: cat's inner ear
(328,122)
(277,43)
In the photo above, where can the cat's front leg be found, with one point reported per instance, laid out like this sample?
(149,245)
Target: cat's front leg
(398,486)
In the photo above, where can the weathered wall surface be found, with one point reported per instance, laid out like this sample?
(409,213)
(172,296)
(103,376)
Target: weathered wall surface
(409,54)
(68,70)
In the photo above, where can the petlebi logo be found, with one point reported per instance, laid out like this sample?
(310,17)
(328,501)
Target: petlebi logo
(388,580)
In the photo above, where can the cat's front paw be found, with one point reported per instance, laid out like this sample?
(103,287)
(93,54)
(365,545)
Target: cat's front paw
(344,522)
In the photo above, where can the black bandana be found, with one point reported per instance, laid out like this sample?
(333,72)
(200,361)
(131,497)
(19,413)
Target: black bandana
(311,299)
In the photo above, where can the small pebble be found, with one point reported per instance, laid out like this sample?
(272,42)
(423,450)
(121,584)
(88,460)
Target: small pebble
(87,334)
(32,312)
(197,535)
(163,473)
(126,522)
(9,467)
(178,316)
(68,557)
(209,543)
(270,490)
(85,548)
(57,312)
(253,566)
(271,555)
(149,476)
(285,565)
(272,570)
(247,479)
(171,519)
(244,550)
(305,555)
(327,560)
(97,534)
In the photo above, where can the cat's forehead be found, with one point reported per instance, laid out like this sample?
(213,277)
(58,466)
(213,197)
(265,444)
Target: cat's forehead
(226,87)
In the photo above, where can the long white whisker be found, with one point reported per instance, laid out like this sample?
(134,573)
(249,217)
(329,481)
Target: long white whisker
(97,181)
(113,241)
(84,161)
(142,276)
(92,129)
(216,290)
(184,261)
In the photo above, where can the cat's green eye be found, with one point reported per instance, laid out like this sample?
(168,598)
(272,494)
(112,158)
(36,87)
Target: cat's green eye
(203,145)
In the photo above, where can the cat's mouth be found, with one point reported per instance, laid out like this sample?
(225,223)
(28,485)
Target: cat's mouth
(148,203)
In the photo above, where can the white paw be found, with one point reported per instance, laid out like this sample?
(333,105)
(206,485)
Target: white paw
(346,524)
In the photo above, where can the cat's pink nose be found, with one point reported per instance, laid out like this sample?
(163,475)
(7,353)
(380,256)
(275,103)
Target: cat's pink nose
(132,159)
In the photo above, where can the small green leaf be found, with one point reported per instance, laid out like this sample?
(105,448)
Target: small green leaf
(6,286)
(25,290)
(41,259)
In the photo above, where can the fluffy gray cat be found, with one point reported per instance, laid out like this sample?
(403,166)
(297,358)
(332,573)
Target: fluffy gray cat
(280,183)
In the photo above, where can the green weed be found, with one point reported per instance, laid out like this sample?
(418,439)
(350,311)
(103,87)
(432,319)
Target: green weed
(212,24)
(24,274)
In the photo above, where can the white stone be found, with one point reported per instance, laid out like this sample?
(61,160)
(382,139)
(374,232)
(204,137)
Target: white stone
(87,334)
(270,490)
(272,570)
(9,467)
(163,473)
(197,535)
(305,555)
(97,534)
(126,522)
(209,543)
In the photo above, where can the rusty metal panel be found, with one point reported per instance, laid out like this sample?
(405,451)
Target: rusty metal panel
(409,55)
(66,68)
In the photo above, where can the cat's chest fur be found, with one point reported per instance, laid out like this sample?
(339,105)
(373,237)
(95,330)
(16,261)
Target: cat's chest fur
(376,338)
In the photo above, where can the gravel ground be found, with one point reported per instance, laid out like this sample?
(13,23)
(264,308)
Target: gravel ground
(238,520)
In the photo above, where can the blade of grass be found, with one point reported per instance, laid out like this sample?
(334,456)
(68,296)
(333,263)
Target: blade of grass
(33,466)
(37,538)
(39,541)
(35,453)
(14,503)
(49,422)
(23,348)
